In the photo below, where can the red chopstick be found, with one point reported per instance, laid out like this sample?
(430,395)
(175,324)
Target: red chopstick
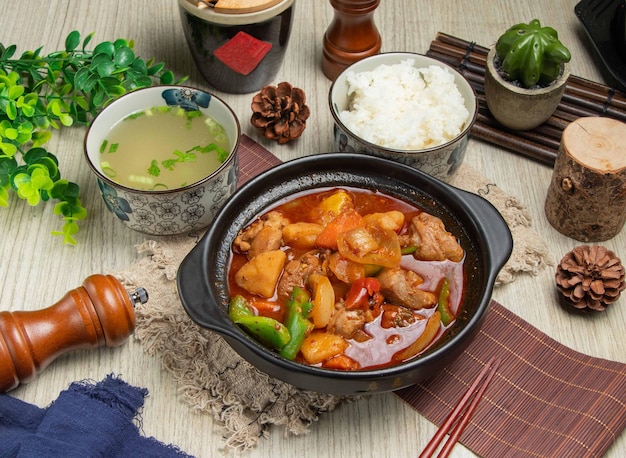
(462,413)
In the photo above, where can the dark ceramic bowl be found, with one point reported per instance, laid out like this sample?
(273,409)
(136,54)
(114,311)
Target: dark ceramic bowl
(203,281)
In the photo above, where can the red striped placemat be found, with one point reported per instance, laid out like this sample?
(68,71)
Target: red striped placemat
(253,159)
(546,399)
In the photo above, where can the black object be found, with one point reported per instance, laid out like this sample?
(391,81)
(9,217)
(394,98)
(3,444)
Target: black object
(204,38)
(603,21)
(203,282)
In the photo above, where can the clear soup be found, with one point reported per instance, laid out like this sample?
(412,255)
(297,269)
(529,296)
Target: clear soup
(163,148)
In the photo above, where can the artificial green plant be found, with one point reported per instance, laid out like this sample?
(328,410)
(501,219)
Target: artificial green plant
(531,54)
(40,93)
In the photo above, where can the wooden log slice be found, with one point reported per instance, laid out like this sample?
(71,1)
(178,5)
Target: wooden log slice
(586,199)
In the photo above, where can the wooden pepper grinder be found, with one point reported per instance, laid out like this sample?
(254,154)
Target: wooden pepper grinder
(351,36)
(98,313)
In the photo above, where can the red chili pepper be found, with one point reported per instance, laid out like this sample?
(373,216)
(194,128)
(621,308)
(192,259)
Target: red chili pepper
(361,291)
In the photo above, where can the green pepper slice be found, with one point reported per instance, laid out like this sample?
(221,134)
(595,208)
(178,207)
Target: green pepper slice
(297,322)
(443,303)
(238,308)
(268,331)
(408,249)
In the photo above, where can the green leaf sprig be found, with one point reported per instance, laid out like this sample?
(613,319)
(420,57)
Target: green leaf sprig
(39,93)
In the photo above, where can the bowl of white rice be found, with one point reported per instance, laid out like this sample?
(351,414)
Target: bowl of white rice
(405,107)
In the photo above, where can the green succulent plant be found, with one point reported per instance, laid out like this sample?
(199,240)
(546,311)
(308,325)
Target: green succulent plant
(531,54)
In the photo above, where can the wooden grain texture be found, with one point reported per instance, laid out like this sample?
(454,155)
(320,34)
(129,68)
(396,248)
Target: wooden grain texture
(351,36)
(36,270)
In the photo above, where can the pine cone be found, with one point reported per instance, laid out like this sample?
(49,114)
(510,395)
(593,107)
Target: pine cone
(590,277)
(280,112)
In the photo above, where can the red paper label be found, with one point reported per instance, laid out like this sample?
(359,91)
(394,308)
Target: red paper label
(243,53)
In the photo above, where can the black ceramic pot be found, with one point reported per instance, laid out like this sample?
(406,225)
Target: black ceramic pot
(203,282)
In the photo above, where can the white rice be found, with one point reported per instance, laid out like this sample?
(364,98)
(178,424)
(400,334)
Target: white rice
(403,107)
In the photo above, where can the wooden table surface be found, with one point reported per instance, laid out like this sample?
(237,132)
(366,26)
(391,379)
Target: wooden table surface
(37,270)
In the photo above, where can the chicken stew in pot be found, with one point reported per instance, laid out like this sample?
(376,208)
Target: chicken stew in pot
(346,278)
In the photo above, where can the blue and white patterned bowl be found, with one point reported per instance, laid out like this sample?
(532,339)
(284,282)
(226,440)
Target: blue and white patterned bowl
(171,211)
(439,161)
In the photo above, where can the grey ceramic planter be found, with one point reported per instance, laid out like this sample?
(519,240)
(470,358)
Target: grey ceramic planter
(519,108)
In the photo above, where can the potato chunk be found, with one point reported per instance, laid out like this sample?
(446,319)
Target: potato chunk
(319,346)
(301,234)
(323,299)
(260,275)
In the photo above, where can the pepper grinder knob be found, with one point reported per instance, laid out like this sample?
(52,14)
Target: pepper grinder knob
(98,313)
(351,36)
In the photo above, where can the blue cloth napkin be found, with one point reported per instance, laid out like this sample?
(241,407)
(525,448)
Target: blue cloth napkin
(87,420)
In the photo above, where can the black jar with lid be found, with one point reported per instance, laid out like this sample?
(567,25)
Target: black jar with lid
(237,53)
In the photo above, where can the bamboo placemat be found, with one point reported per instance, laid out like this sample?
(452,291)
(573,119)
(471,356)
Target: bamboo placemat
(546,400)
(582,98)
(253,159)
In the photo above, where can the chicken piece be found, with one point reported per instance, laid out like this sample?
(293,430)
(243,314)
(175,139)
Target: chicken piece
(268,239)
(349,322)
(401,287)
(360,241)
(395,316)
(297,272)
(244,239)
(433,241)
(346,322)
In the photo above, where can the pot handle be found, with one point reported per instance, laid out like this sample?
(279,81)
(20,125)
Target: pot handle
(198,301)
(495,228)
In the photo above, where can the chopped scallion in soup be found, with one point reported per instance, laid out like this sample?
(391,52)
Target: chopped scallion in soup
(163,148)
